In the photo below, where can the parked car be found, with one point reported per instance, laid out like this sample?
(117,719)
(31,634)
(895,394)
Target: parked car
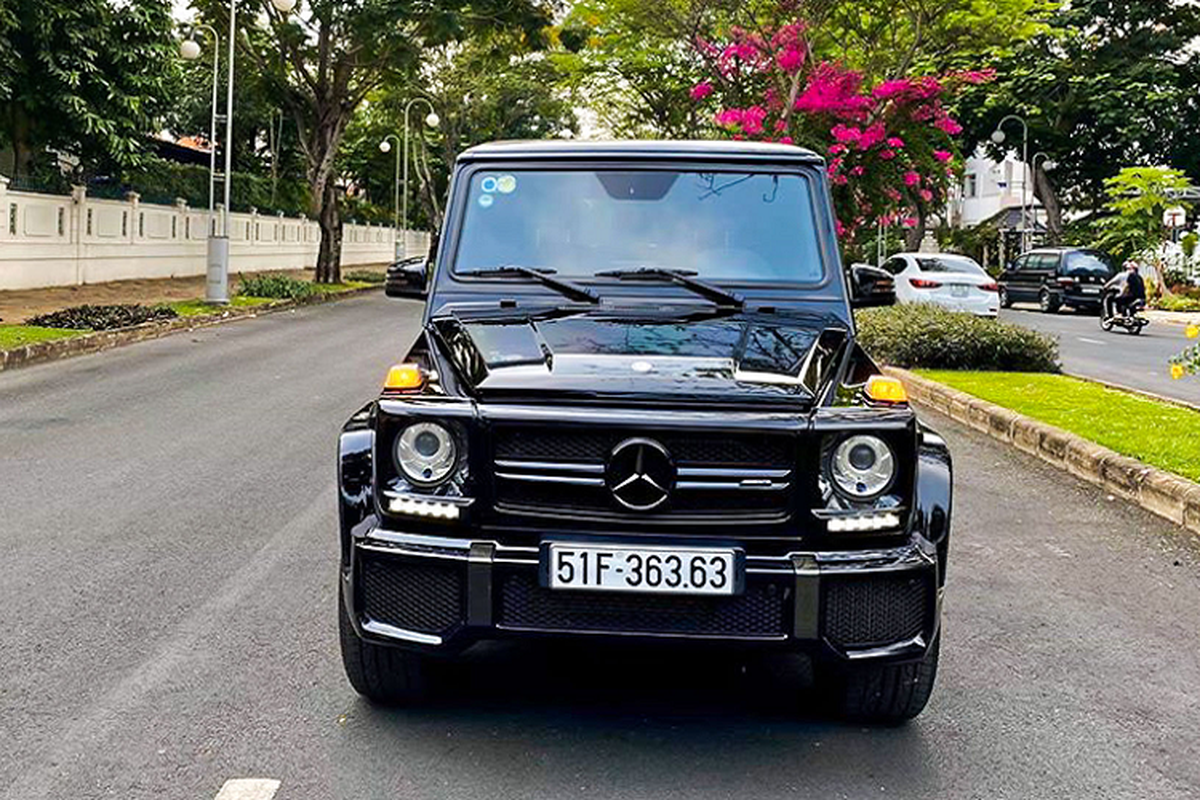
(636,411)
(955,282)
(1057,276)
(407,278)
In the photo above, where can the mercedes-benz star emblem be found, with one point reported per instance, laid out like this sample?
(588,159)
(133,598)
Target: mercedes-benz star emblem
(640,474)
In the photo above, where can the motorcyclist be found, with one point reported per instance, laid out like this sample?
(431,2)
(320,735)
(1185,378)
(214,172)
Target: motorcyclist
(1125,289)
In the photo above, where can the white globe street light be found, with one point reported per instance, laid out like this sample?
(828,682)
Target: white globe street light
(432,119)
(284,6)
(998,136)
(385,146)
(189,50)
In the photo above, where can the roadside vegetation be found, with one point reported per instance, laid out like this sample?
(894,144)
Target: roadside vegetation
(925,335)
(1160,434)
(13,336)
(103,318)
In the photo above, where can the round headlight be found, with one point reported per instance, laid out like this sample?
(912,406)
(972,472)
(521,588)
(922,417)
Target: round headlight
(426,453)
(863,466)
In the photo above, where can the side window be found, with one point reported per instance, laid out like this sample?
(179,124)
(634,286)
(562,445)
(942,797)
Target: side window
(895,265)
(1021,262)
(1050,260)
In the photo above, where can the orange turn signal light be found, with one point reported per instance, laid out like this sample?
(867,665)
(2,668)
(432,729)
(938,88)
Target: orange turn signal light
(883,389)
(403,377)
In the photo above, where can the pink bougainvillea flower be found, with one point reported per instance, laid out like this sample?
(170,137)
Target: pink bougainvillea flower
(840,180)
(858,170)
(889,89)
(943,155)
(926,195)
(837,148)
(912,178)
(702,90)
(887,155)
(752,119)
(786,140)
(780,126)
(873,135)
(846,134)
(892,194)
(729,117)
(948,125)
(909,222)
(895,141)
(839,227)
(790,60)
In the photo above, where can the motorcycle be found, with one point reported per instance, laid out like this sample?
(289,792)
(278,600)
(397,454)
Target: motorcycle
(1131,320)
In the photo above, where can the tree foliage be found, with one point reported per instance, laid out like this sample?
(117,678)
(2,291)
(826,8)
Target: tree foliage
(1109,83)
(92,77)
(1137,198)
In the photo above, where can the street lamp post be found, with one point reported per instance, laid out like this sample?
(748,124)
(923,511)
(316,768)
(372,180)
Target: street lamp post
(998,137)
(385,147)
(1049,164)
(217,284)
(190,50)
(432,120)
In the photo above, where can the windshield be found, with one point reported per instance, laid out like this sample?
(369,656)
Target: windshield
(950,264)
(1089,262)
(724,226)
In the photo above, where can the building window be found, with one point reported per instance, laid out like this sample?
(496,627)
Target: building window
(62,221)
(124,223)
(89,222)
(142,225)
(187,228)
(970,185)
(12,218)
(174,226)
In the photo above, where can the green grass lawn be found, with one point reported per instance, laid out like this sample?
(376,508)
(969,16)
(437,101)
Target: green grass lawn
(344,286)
(196,308)
(13,336)
(1160,434)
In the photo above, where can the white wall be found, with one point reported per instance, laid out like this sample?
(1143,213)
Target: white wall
(996,186)
(51,240)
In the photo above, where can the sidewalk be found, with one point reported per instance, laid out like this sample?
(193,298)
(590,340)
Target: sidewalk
(18,305)
(1173,317)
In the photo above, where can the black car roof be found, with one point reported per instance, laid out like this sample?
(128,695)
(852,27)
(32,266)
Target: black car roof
(639,149)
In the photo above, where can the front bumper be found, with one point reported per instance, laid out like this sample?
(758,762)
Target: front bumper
(441,594)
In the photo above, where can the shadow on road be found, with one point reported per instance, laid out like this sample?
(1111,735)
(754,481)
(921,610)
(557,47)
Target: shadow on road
(654,722)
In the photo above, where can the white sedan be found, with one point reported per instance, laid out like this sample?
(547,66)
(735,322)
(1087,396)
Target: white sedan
(954,282)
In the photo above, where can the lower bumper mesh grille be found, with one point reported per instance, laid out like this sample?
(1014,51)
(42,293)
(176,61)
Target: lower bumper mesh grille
(875,610)
(415,596)
(760,612)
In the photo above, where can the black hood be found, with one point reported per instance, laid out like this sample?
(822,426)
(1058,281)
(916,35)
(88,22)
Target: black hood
(646,355)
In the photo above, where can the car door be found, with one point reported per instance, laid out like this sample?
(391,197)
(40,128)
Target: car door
(1013,278)
(1047,271)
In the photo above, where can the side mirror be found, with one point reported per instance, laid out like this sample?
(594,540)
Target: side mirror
(871,286)
(408,278)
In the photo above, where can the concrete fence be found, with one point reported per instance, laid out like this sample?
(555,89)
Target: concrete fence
(55,240)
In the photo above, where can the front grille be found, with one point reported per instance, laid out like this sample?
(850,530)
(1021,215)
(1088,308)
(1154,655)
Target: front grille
(719,475)
(875,610)
(413,595)
(761,612)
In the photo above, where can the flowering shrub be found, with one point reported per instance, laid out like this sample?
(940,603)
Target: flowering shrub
(1187,362)
(889,146)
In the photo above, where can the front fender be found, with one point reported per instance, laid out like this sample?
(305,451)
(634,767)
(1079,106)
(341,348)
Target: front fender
(934,494)
(355,475)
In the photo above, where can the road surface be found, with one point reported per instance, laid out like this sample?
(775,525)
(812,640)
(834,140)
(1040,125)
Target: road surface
(1138,362)
(167,619)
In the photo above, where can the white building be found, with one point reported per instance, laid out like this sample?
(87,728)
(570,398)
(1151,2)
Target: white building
(988,187)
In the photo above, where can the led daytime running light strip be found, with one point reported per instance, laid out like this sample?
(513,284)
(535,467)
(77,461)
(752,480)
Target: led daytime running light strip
(871,522)
(424,508)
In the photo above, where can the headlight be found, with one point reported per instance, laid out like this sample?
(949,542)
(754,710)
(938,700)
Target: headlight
(426,453)
(863,466)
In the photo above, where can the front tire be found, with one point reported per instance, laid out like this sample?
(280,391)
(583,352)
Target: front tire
(884,694)
(1048,302)
(384,675)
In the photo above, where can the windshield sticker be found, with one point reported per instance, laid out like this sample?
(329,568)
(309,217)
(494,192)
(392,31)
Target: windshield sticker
(507,184)
(486,200)
(488,185)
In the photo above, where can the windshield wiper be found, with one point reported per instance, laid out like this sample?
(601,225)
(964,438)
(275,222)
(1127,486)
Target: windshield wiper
(542,276)
(679,277)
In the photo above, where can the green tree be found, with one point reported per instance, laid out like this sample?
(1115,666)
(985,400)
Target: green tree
(1110,83)
(1137,198)
(329,56)
(91,77)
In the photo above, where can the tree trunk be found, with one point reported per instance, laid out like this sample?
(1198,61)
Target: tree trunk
(329,257)
(1043,190)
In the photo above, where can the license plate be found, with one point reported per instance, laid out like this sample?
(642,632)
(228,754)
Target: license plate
(658,570)
(959,290)
(1090,289)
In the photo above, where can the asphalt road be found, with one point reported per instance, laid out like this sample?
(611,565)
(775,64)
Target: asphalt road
(1138,362)
(167,619)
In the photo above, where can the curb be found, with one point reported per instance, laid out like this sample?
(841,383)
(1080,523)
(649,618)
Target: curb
(98,341)
(1169,496)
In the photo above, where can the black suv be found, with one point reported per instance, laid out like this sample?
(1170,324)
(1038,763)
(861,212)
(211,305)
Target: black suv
(637,410)
(1056,277)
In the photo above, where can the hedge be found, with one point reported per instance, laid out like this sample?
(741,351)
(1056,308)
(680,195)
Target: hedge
(929,336)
